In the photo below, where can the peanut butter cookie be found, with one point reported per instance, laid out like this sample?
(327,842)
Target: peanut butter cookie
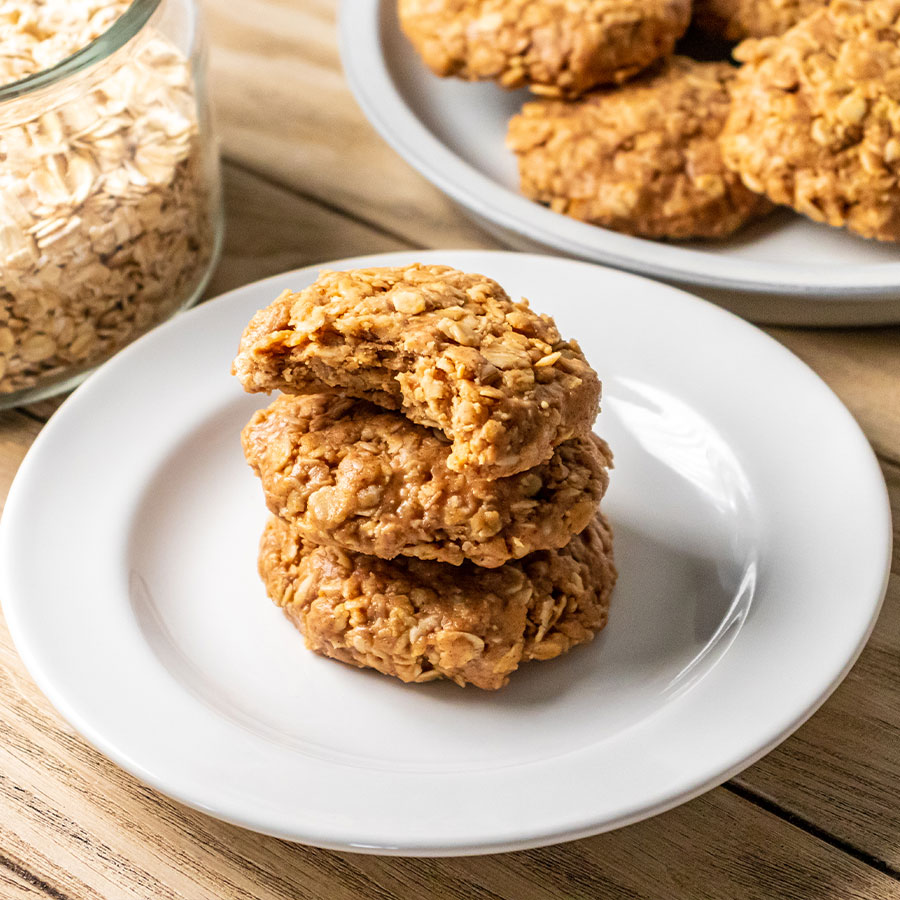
(348,474)
(735,20)
(815,122)
(643,159)
(557,47)
(450,350)
(420,620)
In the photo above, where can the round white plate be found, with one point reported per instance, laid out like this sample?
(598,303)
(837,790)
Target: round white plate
(752,538)
(785,268)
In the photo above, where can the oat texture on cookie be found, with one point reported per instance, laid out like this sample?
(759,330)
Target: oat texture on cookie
(557,47)
(815,122)
(419,620)
(449,349)
(349,474)
(643,158)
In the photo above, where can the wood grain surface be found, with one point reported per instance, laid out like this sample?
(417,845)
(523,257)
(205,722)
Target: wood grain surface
(307,180)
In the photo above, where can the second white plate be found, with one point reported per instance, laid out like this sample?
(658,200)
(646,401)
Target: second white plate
(785,269)
(752,538)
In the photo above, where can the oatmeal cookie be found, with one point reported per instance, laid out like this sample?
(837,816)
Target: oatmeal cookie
(348,474)
(643,158)
(735,20)
(558,47)
(815,122)
(449,349)
(420,620)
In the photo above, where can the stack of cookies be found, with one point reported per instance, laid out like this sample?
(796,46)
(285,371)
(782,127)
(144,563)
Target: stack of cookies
(432,474)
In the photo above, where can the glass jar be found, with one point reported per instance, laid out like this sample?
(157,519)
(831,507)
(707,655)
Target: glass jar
(110,204)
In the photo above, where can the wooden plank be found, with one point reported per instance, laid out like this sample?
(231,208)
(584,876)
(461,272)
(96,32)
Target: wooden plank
(283,108)
(270,230)
(726,850)
(16,885)
(17,431)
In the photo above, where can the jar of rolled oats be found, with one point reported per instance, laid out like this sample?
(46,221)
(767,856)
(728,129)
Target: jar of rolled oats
(110,209)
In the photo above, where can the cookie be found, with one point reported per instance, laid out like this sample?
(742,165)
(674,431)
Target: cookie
(449,349)
(349,474)
(559,48)
(734,20)
(420,620)
(643,159)
(815,122)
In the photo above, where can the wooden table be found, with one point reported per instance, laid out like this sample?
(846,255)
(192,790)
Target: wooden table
(307,180)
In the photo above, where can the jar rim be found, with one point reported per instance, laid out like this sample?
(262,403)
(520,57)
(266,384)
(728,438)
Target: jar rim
(127,26)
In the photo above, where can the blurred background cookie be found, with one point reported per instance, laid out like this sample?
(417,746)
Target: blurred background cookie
(643,158)
(557,48)
(734,20)
(815,122)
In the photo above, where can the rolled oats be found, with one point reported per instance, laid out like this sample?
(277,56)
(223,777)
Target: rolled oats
(105,222)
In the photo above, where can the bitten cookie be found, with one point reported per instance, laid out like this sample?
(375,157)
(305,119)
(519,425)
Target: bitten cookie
(815,122)
(348,474)
(735,20)
(558,47)
(449,349)
(421,620)
(643,159)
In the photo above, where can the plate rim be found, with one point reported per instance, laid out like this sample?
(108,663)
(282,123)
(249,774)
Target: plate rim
(31,656)
(382,103)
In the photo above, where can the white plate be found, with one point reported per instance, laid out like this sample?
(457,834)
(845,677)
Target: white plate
(786,268)
(752,537)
